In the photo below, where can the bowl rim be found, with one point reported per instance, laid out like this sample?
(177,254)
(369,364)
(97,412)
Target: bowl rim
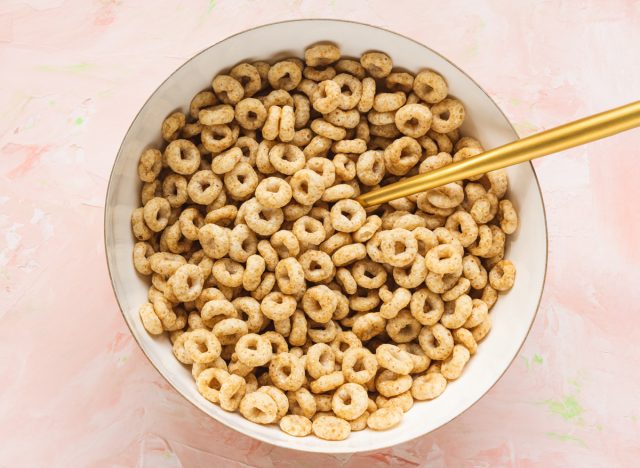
(107,210)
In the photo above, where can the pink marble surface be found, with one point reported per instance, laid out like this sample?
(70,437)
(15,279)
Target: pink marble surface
(75,390)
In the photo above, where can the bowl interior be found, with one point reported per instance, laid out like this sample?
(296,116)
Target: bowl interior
(513,314)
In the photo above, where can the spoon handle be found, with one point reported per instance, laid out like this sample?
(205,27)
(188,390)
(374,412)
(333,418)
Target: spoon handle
(556,139)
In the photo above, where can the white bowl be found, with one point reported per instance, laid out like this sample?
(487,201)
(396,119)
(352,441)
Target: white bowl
(513,314)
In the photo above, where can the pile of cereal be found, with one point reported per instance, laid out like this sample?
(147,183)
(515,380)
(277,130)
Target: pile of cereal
(291,302)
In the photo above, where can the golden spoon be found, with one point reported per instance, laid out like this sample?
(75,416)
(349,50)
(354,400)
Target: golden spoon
(550,141)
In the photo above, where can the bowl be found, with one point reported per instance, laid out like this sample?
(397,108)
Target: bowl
(512,315)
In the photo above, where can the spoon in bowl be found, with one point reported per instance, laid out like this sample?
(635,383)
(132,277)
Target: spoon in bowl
(550,141)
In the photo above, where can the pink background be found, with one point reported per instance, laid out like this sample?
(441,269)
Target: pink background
(75,390)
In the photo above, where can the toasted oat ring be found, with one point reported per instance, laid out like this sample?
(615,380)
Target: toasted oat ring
(186,283)
(248,76)
(320,360)
(448,115)
(156,214)
(284,75)
(204,187)
(389,102)
(368,94)
(289,276)
(391,357)
(309,230)
(330,428)
(369,274)
(413,120)
(351,97)
(377,64)
(430,87)
(250,114)
(319,303)
(368,325)
(202,339)
(443,259)
(370,167)
(228,89)
(263,221)
(349,401)
(347,216)
(307,186)
(175,190)
(384,418)
(210,381)
(390,384)
(149,165)
(215,240)
(317,266)
(278,306)
(172,126)
(436,341)
(287,158)
(259,407)
(182,156)
(295,425)
(217,138)
(286,371)
(253,350)
(428,386)
(321,55)
(502,275)
(398,247)
(241,181)
(401,155)
(326,97)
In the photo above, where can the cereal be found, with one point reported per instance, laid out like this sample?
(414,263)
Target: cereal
(292,303)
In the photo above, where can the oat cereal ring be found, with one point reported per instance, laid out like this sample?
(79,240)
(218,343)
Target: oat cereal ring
(248,76)
(334,242)
(349,254)
(465,338)
(294,211)
(250,114)
(284,75)
(141,253)
(330,428)
(322,332)
(393,358)
(370,167)
(279,397)
(186,282)
(398,300)
(302,137)
(403,328)
(271,126)
(344,341)
(498,182)
(448,115)
(228,272)
(219,308)
(295,425)
(174,190)
(320,360)
(230,330)
(413,120)
(215,240)
(369,274)
(443,259)
(484,208)
(287,158)
(201,100)
(389,102)
(221,216)
(368,325)
(228,89)
(319,73)
(203,187)
(371,225)
(278,306)
(140,229)
(202,346)
(241,181)
(384,418)
(346,280)
(502,275)
(327,382)
(350,401)
(338,192)
(452,367)
(263,221)
(462,286)
(321,55)
(349,98)
(217,138)
(150,320)
(428,386)
(269,254)
(226,161)
(436,341)
(209,382)
(318,146)
(231,392)
(508,217)
(356,146)
(430,87)
(413,275)
(289,276)
(172,126)
(364,300)
(286,371)
(317,266)
(345,168)
(401,155)
(390,384)
(149,165)
(190,222)
(326,97)
(216,115)
(368,95)
(303,403)
(182,157)
(377,64)
(327,130)
(259,407)
(306,185)
(286,244)
(398,247)
(319,303)
(483,243)
(456,313)
(273,192)
(156,214)
(298,333)
(253,350)
(308,230)
(347,216)
(351,67)
(344,119)
(286,130)
(498,239)
(420,360)
(242,243)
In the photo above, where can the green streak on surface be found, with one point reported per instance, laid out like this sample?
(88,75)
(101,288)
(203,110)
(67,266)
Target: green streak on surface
(79,121)
(568,408)
(566,438)
(212,5)
(537,359)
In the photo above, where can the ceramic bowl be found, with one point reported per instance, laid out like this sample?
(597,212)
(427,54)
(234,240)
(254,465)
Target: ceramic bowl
(513,314)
